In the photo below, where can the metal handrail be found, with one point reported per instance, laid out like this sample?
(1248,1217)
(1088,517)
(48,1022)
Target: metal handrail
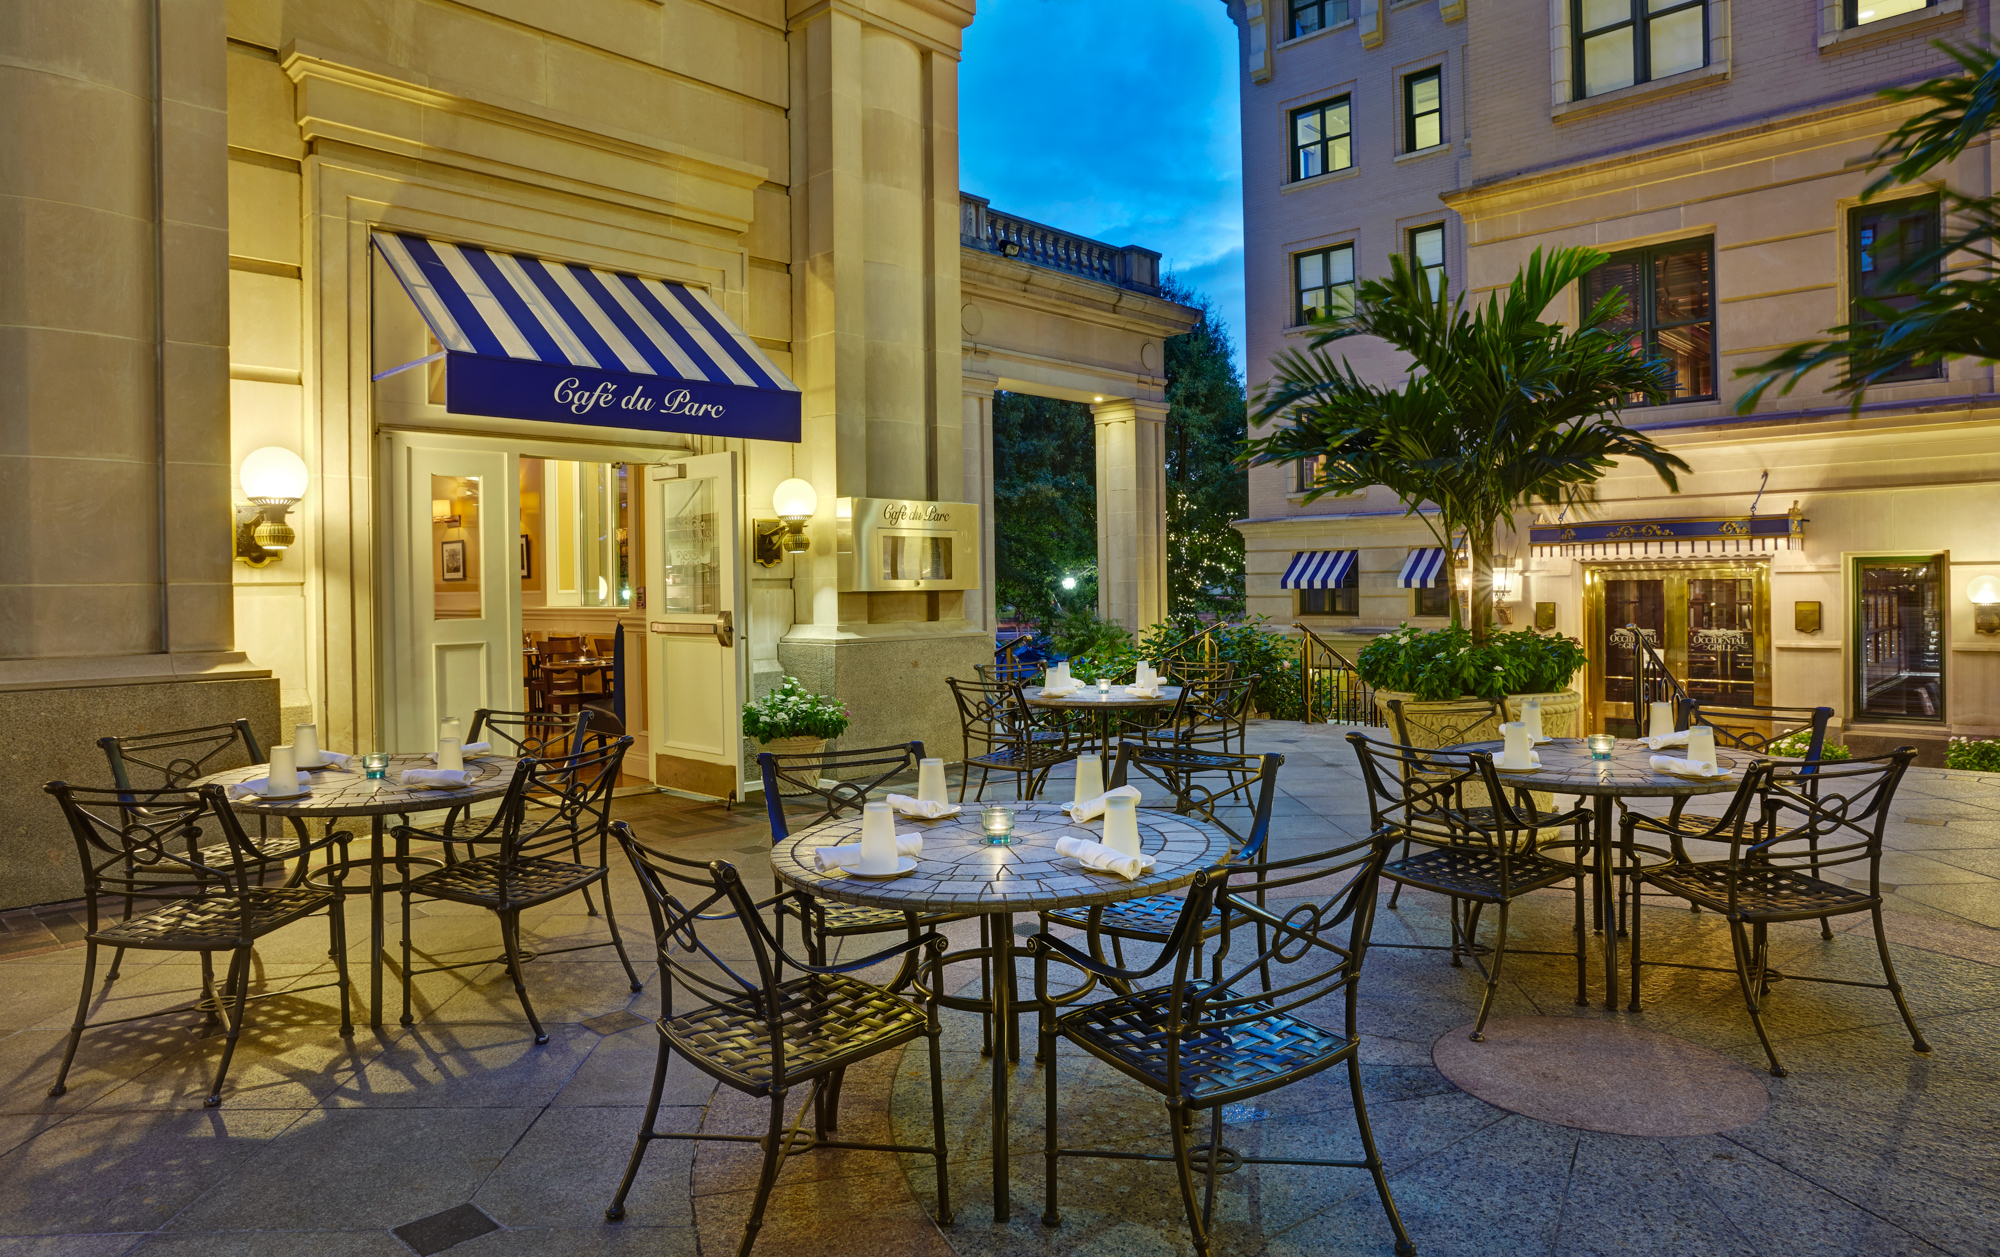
(1651,682)
(1334,690)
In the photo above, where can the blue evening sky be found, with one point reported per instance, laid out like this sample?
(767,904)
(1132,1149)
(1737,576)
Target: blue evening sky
(1116,119)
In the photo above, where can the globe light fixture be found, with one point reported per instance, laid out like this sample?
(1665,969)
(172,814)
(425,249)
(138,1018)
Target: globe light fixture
(1069,582)
(274,479)
(1984,594)
(794,502)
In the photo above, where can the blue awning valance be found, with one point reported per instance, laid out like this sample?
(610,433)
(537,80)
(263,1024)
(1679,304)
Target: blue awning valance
(1318,569)
(1422,568)
(1618,538)
(527,338)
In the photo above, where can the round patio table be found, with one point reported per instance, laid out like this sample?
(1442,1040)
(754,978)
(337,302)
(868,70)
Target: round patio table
(339,792)
(1567,768)
(960,872)
(1117,699)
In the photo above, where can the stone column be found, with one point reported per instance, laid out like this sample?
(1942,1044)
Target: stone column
(1131,511)
(976,428)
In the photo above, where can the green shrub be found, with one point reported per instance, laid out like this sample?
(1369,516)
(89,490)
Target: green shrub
(1979,755)
(1255,648)
(1795,745)
(793,711)
(1437,665)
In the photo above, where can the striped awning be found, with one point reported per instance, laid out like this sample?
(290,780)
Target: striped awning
(527,338)
(1318,569)
(1421,569)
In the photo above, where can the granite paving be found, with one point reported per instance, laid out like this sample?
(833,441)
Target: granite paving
(460,1131)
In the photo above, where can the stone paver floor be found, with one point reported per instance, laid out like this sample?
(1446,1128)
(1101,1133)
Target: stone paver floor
(458,1134)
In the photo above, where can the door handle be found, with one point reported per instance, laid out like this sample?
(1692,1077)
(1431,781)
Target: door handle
(725,629)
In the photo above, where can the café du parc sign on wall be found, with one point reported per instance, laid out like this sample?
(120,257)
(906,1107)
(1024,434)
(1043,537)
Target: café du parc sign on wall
(529,338)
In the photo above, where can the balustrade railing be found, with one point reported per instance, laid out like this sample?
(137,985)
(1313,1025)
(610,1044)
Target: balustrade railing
(1334,690)
(1009,235)
(1651,683)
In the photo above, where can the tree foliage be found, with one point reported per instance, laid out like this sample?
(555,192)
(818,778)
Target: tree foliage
(1044,505)
(1500,410)
(1955,314)
(1206,488)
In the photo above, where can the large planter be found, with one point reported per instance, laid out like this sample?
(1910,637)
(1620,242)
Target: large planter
(793,746)
(1432,724)
(1562,712)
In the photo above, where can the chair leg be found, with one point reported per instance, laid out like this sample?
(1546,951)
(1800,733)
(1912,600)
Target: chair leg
(1751,980)
(510,938)
(1917,1042)
(76,1030)
(1214,1162)
(208,1001)
(1405,1247)
(1632,947)
(236,984)
(985,985)
(616,1210)
(1051,1210)
(936,1032)
(774,1152)
(1492,975)
(409,1017)
(1582,994)
(336,930)
(1177,1126)
(611,920)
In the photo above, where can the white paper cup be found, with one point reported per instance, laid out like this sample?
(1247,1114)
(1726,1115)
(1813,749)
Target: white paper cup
(878,839)
(930,781)
(1121,824)
(1089,778)
(283,778)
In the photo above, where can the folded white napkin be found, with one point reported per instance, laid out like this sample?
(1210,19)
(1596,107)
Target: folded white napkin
(1661,741)
(1095,855)
(1685,767)
(1091,809)
(848,855)
(469,750)
(1060,691)
(330,759)
(1143,691)
(925,809)
(435,778)
(254,788)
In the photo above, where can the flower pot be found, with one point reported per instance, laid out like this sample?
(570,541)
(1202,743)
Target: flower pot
(793,746)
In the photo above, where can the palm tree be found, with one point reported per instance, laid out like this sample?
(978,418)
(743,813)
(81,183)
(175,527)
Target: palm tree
(1501,409)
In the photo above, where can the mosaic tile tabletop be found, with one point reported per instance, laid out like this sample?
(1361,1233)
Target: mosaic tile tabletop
(959,872)
(1568,769)
(349,792)
(1086,699)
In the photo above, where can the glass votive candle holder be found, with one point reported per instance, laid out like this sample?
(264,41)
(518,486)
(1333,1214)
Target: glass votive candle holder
(376,764)
(1601,745)
(1104,687)
(998,822)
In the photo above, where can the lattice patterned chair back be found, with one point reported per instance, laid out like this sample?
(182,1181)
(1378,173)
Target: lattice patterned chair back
(543,735)
(1446,799)
(552,807)
(1235,793)
(1444,724)
(171,760)
(1753,729)
(153,846)
(840,780)
(1828,818)
(1181,671)
(1012,670)
(1212,713)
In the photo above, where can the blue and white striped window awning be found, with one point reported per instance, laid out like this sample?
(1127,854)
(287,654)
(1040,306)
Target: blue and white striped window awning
(1422,568)
(1318,569)
(527,338)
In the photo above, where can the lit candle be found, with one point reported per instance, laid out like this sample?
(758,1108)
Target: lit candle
(283,777)
(1121,824)
(1104,687)
(305,743)
(1531,716)
(450,756)
(998,822)
(1089,777)
(1515,754)
(878,838)
(1601,745)
(1701,744)
(930,781)
(1659,718)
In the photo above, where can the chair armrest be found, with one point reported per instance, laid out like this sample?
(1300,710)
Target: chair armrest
(1037,944)
(849,966)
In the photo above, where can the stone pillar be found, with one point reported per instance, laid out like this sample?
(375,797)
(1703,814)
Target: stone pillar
(1131,511)
(976,429)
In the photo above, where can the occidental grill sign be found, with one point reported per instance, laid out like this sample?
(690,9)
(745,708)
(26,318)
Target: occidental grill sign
(1639,538)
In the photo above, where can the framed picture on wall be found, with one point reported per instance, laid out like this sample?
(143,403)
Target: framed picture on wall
(527,558)
(454,560)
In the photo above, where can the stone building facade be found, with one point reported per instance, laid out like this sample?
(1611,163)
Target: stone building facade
(1814,556)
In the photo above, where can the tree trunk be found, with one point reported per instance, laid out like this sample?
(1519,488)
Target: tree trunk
(1481,608)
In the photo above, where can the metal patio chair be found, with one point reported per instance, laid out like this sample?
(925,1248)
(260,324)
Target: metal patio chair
(1002,735)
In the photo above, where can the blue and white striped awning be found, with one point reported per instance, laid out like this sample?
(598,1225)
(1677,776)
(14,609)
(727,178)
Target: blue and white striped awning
(1422,568)
(527,338)
(1318,569)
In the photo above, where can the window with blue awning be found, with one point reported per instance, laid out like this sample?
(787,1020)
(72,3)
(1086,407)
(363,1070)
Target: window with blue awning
(529,338)
(1318,569)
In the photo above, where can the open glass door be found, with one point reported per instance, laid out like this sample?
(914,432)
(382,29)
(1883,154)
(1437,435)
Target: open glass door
(453,626)
(694,594)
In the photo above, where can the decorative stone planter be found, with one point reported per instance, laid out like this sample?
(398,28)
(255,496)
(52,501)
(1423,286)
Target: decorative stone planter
(1562,712)
(796,746)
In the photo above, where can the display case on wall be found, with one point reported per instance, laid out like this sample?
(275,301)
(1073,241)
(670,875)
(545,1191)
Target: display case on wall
(891,544)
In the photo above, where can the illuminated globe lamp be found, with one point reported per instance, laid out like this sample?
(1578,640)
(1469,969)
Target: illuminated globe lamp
(794,502)
(274,479)
(1983,592)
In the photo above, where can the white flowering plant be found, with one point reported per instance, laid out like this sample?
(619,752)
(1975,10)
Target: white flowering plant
(793,711)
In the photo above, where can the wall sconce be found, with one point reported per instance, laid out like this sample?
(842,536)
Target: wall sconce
(1984,593)
(793,502)
(275,479)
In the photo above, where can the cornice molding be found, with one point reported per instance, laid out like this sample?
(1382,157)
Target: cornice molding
(996,278)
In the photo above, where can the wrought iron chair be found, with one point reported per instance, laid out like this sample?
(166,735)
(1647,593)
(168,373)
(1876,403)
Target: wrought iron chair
(1181,671)
(1012,670)
(763,1022)
(1477,856)
(1210,715)
(1800,836)
(147,846)
(552,808)
(1235,795)
(1001,735)
(172,760)
(1447,724)
(1202,1045)
(543,735)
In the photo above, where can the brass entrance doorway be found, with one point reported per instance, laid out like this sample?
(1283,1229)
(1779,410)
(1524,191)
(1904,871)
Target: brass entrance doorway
(1709,622)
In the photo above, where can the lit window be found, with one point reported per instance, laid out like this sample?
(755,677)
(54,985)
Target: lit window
(1622,42)
(1325,283)
(1427,254)
(1899,659)
(1316,15)
(1862,12)
(1308,471)
(1322,138)
(1883,239)
(1423,110)
(1670,308)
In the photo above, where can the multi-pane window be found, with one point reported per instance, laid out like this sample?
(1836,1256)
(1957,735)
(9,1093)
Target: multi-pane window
(1670,308)
(1622,42)
(1882,241)
(1435,598)
(1345,599)
(1423,110)
(1322,138)
(1899,623)
(1427,254)
(1308,471)
(1316,15)
(1325,282)
(1862,12)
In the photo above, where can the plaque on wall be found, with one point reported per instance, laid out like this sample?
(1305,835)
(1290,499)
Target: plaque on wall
(1805,617)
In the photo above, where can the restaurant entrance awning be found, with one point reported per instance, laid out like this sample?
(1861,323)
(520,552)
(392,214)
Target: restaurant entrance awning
(527,338)
(1638,538)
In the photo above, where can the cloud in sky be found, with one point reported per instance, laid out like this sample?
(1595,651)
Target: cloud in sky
(1116,119)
